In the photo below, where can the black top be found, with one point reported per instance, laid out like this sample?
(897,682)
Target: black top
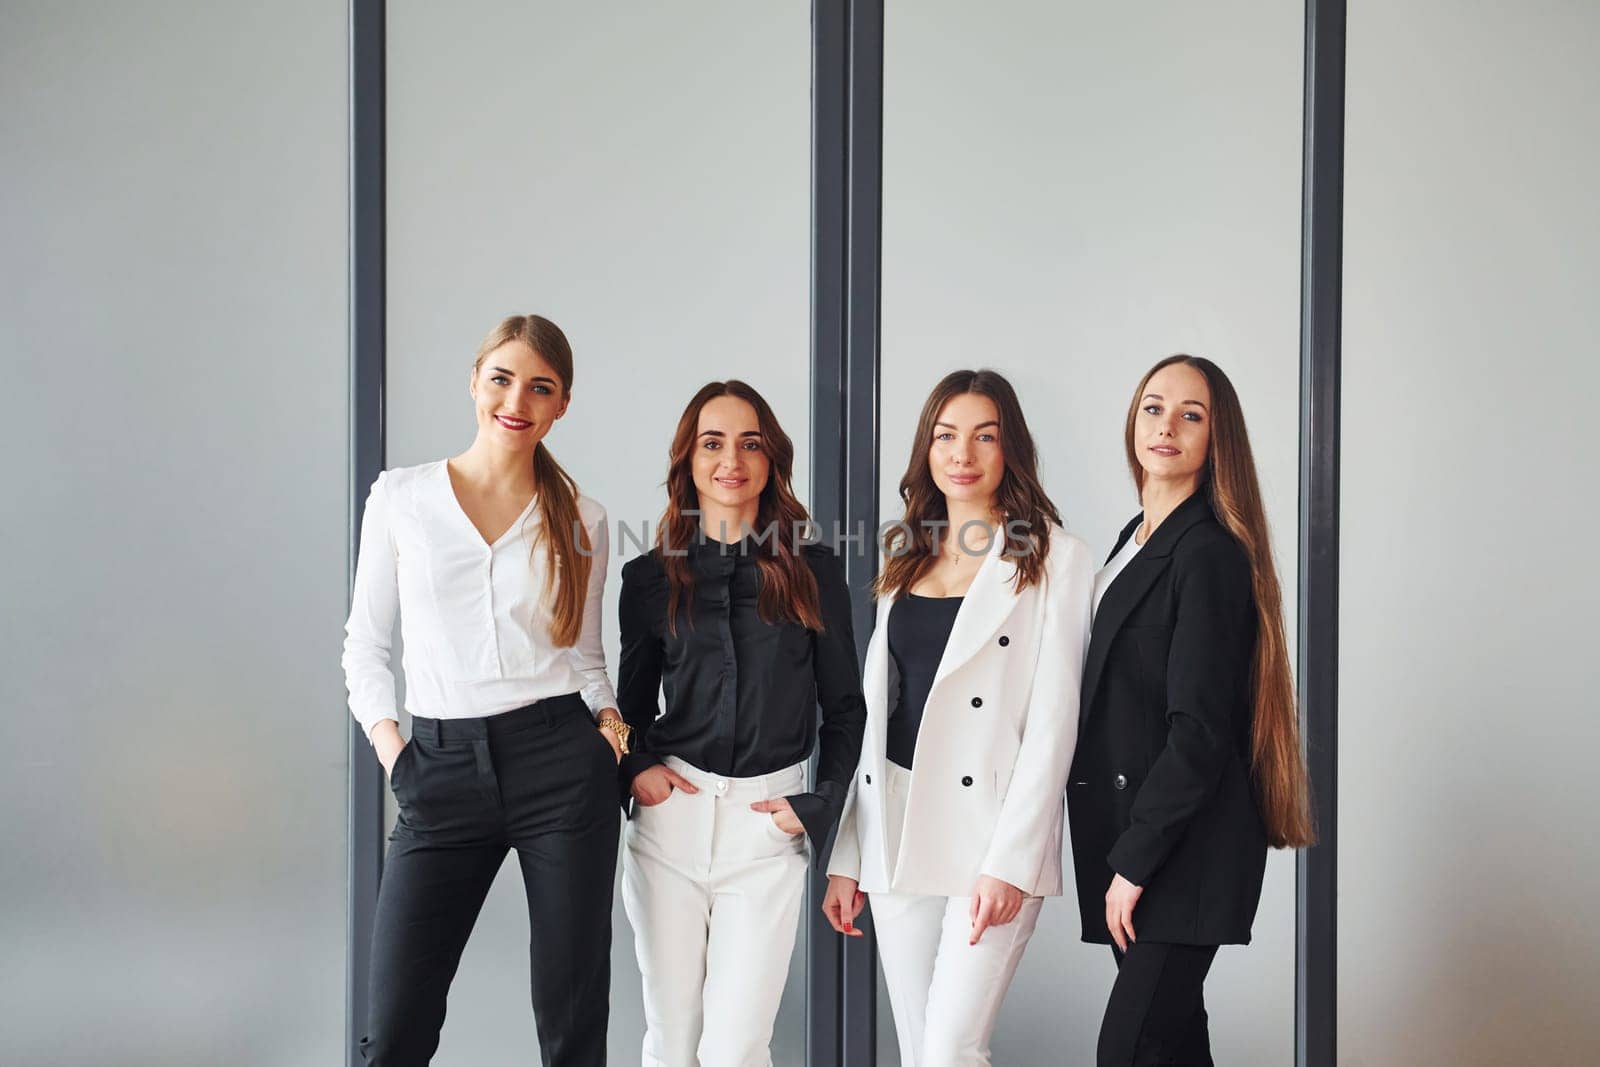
(919,628)
(741,693)
(1160,790)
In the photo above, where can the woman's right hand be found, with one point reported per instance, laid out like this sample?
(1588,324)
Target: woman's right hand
(843,902)
(387,743)
(654,784)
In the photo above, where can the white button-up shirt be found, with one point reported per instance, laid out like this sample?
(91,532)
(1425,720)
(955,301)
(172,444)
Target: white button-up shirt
(473,616)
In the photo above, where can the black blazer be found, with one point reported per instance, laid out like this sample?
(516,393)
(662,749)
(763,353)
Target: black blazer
(1160,785)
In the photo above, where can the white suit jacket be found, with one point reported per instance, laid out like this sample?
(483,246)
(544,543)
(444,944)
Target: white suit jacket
(989,773)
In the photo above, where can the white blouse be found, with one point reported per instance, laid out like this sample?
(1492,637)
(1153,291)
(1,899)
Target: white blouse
(1108,574)
(473,616)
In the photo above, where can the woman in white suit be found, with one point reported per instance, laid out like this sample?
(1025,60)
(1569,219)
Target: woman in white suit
(953,823)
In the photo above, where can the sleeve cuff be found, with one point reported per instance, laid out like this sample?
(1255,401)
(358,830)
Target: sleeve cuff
(1137,855)
(631,766)
(819,813)
(845,860)
(368,727)
(599,696)
(1019,875)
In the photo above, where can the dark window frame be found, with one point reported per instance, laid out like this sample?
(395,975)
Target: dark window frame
(846,237)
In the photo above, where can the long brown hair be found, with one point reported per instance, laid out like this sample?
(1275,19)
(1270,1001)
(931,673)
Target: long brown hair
(1277,764)
(1028,512)
(561,531)
(788,587)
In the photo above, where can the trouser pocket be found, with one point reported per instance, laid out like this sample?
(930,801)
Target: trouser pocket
(441,789)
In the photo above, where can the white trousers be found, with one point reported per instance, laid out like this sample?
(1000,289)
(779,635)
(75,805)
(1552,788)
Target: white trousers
(713,891)
(945,992)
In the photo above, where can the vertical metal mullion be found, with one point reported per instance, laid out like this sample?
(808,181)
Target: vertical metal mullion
(862,360)
(1322,251)
(829,172)
(847,120)
(366,359)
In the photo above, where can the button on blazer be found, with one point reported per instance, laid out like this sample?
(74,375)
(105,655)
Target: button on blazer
(1160,787)
(995,743)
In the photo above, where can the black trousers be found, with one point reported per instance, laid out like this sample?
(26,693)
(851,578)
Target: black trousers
(1157,1011)
(541,780)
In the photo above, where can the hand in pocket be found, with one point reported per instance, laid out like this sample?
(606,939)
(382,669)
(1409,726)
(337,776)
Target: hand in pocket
(782,813)
(655,784)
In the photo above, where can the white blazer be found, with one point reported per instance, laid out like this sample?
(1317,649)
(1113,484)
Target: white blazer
(990,772)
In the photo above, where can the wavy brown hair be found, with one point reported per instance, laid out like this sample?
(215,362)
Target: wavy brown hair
(788,587)
(908,546)
(561,532)
(1277,764)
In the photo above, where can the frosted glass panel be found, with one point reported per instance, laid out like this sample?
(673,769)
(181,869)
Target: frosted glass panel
(172,584)
(1072,191)
(641,175)
(1467,677)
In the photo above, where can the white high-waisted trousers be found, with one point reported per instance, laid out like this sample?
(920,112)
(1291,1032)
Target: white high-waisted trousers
(944,991)
(713,891)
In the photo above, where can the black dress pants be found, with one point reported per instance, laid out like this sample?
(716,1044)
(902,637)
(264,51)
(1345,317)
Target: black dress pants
(1157,1011)
(541,780)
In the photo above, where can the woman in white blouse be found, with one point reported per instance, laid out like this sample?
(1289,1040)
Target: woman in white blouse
(496,566)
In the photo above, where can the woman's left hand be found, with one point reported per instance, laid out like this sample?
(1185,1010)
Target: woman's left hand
(994,903)
(1121,899)
(781,813)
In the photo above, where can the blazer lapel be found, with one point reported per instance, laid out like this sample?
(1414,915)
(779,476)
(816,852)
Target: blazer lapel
(875,675)
(989,599)
(1122,596)
(1131,586)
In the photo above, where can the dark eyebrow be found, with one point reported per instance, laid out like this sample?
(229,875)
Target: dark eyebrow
(719,433)
(980,426)
(1157,396)
(536,378)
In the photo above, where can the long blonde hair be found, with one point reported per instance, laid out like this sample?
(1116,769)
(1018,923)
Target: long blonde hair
(1277,764)
(561,531)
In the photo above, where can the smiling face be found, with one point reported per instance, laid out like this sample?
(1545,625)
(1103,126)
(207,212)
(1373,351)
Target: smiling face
(518,397)
(1172,432)
(730,466)
(965,457)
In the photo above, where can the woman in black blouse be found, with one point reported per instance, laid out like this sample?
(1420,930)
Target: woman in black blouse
(746,629)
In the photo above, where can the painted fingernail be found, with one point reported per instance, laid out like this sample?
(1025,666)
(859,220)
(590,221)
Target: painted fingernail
(848,927)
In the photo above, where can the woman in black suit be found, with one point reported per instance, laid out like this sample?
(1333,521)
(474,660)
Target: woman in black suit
(1188,762)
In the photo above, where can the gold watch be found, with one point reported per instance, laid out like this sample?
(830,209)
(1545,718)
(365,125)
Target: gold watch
(618,729)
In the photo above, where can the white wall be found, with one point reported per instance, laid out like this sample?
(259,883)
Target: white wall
(1072,191)
(641,175)
(172,417)
(1468,719)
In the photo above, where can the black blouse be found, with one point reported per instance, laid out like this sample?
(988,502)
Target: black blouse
(919,628)
(741,694)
